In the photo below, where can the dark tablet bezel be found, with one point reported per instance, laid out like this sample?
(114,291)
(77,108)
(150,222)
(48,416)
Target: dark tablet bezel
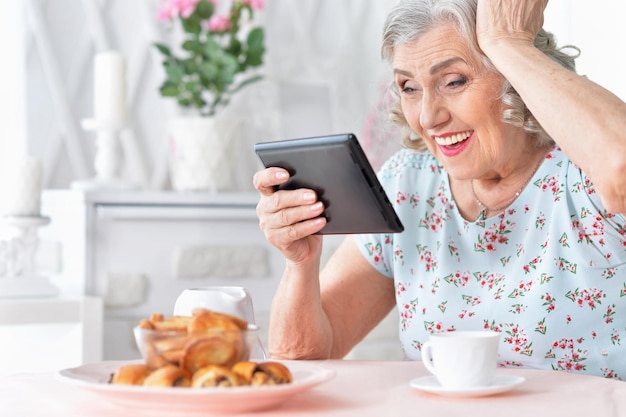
(336,167)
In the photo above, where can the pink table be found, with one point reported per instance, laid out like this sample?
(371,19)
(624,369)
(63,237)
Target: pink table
(359,388)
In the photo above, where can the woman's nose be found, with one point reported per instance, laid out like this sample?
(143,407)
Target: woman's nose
(433,112)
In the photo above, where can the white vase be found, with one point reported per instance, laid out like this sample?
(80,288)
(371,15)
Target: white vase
(203,152)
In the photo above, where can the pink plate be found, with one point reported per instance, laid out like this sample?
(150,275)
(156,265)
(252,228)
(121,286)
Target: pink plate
(95,377)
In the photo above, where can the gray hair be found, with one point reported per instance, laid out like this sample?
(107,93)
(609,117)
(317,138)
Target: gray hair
(410,19)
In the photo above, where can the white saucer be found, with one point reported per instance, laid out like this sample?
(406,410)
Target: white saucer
(501,383)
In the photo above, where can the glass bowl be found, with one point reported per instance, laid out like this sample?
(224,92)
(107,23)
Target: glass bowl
(193,350)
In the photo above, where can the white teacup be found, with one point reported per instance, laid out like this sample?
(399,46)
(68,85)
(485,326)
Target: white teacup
(230,300)
(462,359)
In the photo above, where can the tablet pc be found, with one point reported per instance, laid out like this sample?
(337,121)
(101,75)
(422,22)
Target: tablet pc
(336,167)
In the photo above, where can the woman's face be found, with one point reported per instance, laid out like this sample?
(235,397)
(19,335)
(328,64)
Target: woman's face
(450,99)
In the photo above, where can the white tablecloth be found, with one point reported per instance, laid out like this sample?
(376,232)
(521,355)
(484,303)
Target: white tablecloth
(359,388)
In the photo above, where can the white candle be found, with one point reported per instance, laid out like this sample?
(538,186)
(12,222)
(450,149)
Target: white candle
(110,87)
(25,193)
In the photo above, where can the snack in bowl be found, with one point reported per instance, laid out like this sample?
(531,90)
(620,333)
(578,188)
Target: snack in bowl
(206,349)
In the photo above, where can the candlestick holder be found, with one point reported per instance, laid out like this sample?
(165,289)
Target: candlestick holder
(107,160)
(18,270)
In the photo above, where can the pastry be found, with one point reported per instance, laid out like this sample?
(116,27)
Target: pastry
(168,376)
(204,321)
(265,373)
(215,376)
(209,350)
(131,374)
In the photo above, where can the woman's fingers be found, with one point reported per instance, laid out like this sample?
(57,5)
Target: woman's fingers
(266,180)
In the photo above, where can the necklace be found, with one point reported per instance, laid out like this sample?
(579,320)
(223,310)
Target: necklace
(485,209)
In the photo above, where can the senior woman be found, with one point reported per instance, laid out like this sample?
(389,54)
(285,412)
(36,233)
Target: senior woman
(509,188)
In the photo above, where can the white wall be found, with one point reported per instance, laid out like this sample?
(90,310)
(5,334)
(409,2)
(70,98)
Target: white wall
(12,87)
(327,65)
(597,28)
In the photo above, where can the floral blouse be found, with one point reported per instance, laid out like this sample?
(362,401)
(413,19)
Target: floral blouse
(549,273)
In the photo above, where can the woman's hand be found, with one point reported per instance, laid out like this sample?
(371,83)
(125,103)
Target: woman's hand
(509,21)
(289,219)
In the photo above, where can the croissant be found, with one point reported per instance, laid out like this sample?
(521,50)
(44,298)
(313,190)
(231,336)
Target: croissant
(203,320)
(209,350)
(168,376)
(215,376)
(131,374)
(265,373)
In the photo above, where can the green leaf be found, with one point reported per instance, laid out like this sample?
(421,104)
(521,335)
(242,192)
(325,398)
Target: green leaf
(174,71)
(163,49)
(192,45)
(168,90)
(210,49)
(256,38)
(208,70)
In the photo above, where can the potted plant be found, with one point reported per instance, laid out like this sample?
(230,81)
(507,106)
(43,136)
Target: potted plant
(220,48)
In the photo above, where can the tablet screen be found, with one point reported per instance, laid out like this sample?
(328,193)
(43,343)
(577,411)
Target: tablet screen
(336,167)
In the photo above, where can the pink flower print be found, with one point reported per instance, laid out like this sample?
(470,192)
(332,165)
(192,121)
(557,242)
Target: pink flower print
(564,240)
(400,198)
(406,314)
(426,258)
(432,327)
(532,264)
(541,326)
(589,186)
(435,285)
(540,221)
(401,287)
(493,326)
(610,373)
(521,290)
(471,300)
(565,265)
(375,252)
(492,282)
(548,302)
(608,315)
(453,250)
(615,338)
(568,319)
(517,339)
(586,297)
(398,255)
(458,278)
(571,357)
(622,292)
(496,234)
(545,278)
(517,308)
(467,313)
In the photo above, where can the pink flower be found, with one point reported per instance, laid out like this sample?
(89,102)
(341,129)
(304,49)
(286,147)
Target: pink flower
(255,4)
(174,8)
(218,23)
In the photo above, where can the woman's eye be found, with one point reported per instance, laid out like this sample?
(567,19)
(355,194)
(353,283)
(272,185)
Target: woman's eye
(457,82)
(409,88)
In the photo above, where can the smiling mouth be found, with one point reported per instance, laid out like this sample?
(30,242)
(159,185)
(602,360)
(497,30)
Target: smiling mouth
(452,139)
